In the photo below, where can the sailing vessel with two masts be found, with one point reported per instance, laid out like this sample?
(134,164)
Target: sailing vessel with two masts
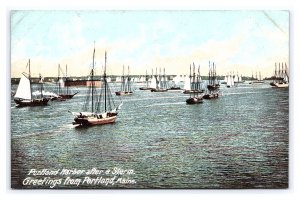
(99,108)
(147,83)
(24,96)
(125,85)
(213,85)
(63,91)
(161,82)
(190,86)
(195,98)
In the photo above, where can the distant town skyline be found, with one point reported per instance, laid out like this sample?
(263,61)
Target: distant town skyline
(236,41)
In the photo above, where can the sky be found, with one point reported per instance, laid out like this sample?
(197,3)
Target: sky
(236,41)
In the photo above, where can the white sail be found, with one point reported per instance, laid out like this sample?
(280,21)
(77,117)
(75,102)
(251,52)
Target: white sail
(226,79)
(240,78)
(230,81)
(187,84)
(236,78)
(62,83)
(153,83)
(24,90)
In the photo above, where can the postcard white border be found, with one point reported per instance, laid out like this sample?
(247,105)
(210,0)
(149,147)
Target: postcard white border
(292,5)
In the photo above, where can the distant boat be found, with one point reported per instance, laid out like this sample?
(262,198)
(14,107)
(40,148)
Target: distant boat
(125,85)
(281,78)
(195,98)
(63,94)
(161,83)
(24,96)
(99,109)
(190,86)
(147,83)
(212,78)
(213,85)
(258,80)
(230,81)
(175,84)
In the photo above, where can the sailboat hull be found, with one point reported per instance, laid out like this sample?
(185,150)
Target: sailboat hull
(67,96)
(213,87)
(192,91)
(281,85)
(34,102)
(122,93)
(145,88)
(211,96)
(92,121)
(194,100)
(159,90)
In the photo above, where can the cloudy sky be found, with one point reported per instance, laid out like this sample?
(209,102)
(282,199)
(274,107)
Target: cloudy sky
(243,41)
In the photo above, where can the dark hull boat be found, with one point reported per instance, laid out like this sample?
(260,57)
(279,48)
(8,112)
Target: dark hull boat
(160,83)
(123,93)
(192,91)
(68,96)
(145,88)
(213,87)
(159,90)
(125,86)
(211,96)
(33,102)
(194,100)
(24,97)
(174,88)
(62,94)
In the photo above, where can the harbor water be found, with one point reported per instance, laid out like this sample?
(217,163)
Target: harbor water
(239,140)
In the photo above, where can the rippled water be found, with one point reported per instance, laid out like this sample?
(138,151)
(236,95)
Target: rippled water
(237,141)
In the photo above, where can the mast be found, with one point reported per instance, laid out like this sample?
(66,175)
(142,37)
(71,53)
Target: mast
(41,82)
(29,77)
(104,77)
(147,84)
(191,80)
(209,72)
(123,80)
(66,79)
(92,79)
(58,80)
(194,84)
(128,83)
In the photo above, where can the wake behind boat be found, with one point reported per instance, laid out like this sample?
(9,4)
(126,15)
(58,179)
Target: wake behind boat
(24,96)
(99,108)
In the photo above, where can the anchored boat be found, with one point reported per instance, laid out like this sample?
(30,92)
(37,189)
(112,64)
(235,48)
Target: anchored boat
(99,108)
(24,96)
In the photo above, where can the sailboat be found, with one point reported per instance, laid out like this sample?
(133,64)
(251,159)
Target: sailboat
(62,94)
(258,79)
(212,78)
(213,86)
(147,83)
(161,83)
(125,85)
(99,109)
(194,97)
(281,79)
(230,81)
(24,96)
